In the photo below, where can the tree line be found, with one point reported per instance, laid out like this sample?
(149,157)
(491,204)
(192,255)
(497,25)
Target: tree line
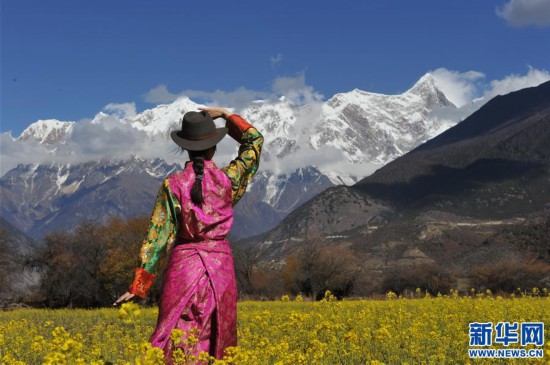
(92,265)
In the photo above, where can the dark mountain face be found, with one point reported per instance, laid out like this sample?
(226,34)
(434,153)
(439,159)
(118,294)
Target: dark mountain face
(468,184)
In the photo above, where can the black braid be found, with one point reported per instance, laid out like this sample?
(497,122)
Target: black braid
(196,190)
(198,157)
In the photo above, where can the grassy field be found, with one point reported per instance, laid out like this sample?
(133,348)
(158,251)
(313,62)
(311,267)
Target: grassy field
(427,330)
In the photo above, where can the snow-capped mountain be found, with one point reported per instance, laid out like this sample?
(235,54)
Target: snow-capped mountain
(164,118)
(367,127)
(308,147)
(49,131)
(378,128)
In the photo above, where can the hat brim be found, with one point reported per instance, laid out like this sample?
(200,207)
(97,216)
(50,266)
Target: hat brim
(200,145)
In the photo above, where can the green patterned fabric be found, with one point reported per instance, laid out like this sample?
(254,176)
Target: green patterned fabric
(162,229)
(244,167)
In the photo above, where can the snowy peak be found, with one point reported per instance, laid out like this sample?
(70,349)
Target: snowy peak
(165,117)
(275,117)
(159,120)
(376,128)
(428,90)
(49,131)
(426,82)
(277,120)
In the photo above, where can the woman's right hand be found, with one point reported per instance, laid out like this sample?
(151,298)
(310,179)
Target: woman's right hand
(124,298)
(217,112)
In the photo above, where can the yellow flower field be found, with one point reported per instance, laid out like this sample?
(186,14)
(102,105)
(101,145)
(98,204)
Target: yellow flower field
(431,330)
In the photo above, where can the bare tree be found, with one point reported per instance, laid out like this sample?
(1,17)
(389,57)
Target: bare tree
(317,266)
(246,260)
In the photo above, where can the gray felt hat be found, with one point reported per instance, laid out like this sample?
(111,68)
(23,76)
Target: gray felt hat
(198,132)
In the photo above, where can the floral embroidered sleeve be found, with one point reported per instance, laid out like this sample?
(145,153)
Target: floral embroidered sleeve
(244,167)
(160,237)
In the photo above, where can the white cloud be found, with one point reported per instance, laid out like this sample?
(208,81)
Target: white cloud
(463,88)
(105,137)
(328,159)
(14,152)
(160,94)
(293,88)
(276,60)
(124,110)
(237,98)
(459,87)
(522,13)
(450,116)
(467,91)
(534,77)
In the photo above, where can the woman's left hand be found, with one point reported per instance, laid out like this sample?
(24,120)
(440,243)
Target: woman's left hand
(124,298)
(217,112)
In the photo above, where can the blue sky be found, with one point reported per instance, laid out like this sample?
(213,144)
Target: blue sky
(69,59)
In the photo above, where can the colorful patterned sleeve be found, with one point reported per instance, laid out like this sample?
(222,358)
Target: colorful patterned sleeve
(158,241)
(244,167)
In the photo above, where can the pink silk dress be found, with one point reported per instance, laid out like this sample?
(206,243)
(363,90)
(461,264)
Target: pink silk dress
(199,287)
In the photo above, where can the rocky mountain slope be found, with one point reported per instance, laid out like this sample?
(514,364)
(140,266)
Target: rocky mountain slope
(41,198)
